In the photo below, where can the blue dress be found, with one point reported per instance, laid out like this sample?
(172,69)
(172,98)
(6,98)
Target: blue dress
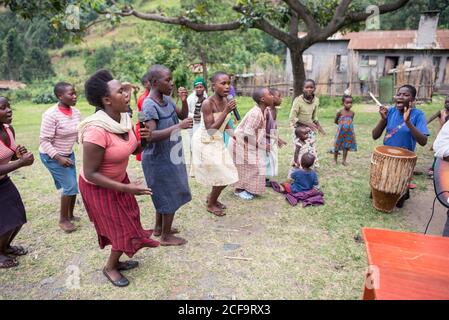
(163,161)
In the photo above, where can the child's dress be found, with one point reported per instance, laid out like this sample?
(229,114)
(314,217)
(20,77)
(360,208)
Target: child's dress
(345,136)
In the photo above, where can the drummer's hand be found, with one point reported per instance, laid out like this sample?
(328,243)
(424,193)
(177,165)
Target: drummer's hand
(407,111)
(383,112)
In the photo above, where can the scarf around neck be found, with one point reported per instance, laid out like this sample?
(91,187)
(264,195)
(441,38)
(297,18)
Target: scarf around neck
(102,120)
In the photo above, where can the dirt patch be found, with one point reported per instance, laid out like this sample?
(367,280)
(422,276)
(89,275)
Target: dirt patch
(418,209)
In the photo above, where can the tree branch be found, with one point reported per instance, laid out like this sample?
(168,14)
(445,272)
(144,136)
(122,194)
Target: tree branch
(182,21)
(303,13)
(282,36)
(294,25)
(341,20)
(388,7)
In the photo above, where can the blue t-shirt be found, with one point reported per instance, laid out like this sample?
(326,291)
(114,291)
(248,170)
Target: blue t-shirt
(303,180)
(403,138)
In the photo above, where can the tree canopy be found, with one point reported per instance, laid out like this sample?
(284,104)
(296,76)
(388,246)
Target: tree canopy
(279,19)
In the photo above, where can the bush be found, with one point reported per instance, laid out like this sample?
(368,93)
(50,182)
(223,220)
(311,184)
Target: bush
(71,53)
(101,58)
(19,95)
(335,102)
(45,98)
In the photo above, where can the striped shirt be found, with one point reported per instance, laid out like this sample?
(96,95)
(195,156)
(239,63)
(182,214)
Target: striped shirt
(59,132)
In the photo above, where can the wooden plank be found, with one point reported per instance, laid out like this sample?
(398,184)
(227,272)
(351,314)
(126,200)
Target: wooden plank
(407,265)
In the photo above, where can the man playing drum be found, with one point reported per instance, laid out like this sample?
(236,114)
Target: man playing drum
(404,123)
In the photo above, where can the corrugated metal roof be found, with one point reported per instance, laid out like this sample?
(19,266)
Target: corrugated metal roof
(390,40)
(387,40)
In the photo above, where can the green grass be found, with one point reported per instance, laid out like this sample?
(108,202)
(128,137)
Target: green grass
(295,253)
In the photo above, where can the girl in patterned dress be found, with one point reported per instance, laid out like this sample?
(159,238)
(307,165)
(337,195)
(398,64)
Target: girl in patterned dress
(345,136)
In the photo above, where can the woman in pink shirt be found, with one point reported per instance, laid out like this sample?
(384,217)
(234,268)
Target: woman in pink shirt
(59,133)
(108,139)
(12,211)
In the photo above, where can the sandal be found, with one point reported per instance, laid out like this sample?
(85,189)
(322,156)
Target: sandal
(218,212)
(219,204)
(122,282)
(9,263)
(127,265)
(16,251)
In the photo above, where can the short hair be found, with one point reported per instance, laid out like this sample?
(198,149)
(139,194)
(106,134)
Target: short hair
(144,78)
(155,72)
(298,129)
(309,80)
(273,91)
(96,87)
(307,160)
(4,98)
(218,74)
(60,87)
(346,96)
(258,94)
(411,88)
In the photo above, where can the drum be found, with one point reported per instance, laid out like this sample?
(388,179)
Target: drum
(391,171)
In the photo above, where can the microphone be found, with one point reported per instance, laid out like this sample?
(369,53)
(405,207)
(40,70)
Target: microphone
(236,112)
(141,119)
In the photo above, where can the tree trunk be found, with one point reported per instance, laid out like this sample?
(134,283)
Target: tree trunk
(204,63)
(298,71)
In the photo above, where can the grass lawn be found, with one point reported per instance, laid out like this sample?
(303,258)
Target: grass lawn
(293,253)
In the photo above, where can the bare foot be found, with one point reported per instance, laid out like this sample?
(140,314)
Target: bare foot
(157,232)
(73,218)
(218,204)
(216,210)
(7,262)
(344,163)
(67,226)
(171,240)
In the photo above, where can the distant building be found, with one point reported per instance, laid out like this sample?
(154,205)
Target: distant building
(379,61)
(11,85)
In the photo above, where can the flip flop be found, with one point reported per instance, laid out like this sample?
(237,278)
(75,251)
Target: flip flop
(9,263)
(122,282)
(16,251)
(412,186)
(218,213)
(127,265)
(220,205)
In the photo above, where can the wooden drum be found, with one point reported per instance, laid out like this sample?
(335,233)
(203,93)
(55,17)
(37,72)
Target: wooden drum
(391,172)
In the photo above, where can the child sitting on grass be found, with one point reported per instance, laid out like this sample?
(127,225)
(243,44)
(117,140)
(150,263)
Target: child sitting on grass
(303,144)
(302,179)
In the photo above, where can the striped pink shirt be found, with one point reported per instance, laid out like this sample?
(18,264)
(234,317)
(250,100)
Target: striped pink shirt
(7,151)
(59,132)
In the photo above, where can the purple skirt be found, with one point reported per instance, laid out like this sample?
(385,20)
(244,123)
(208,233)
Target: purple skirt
(12,211)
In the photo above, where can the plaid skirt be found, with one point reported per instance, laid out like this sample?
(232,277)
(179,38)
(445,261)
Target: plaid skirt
(12,210)
(116,217)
